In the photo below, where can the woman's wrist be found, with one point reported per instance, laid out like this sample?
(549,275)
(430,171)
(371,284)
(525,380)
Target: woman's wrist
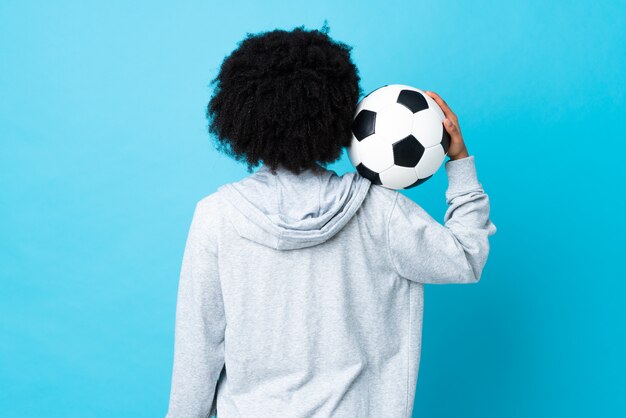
(461,154)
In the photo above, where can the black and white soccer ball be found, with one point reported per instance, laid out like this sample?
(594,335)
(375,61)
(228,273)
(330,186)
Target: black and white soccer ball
(398,138)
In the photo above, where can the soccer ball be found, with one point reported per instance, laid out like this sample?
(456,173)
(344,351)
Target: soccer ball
(398,138)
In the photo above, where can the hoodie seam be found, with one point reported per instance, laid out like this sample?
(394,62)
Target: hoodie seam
(408,354)
(388,234)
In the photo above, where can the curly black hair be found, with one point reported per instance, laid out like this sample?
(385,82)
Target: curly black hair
(285,98)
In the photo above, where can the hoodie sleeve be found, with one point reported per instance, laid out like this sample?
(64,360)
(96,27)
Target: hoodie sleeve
(423,250)
(200,326)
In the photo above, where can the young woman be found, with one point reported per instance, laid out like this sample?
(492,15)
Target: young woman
(301,291)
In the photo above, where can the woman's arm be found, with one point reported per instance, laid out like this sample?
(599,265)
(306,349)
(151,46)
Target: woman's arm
(200,325)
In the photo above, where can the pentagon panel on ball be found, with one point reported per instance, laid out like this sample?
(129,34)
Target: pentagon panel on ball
(407,152)
(364,123)
(413,100)
(398,138)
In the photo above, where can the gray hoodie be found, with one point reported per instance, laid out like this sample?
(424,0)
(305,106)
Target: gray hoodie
(301,295)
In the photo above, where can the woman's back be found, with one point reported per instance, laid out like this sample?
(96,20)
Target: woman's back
(291,302)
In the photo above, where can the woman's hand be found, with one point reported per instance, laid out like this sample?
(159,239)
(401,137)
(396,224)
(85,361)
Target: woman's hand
(457,147)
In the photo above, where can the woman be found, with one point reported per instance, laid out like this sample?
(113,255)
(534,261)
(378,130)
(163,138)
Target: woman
(301,291)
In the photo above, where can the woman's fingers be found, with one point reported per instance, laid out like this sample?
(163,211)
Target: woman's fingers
(443,105)
(451,127)
(439,100)
(457,147)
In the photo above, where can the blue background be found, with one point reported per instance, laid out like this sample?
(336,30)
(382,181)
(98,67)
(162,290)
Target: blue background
(105,153)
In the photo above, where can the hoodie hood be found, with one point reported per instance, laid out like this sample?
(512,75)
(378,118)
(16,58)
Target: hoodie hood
(287,211)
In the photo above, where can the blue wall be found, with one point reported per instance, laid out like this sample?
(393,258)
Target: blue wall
(105,152)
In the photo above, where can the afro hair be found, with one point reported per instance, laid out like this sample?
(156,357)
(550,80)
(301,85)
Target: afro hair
(285,98)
